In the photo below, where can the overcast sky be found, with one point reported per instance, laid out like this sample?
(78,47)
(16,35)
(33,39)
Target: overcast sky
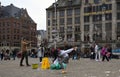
(35,8)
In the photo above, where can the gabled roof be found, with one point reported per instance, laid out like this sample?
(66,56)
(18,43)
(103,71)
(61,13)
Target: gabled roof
(12,11)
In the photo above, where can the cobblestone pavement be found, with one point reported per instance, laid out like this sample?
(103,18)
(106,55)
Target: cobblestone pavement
(76,68)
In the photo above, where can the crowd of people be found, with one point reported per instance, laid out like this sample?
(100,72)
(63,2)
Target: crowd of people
(7,55)
(59,55)
(97,53)
(100,53)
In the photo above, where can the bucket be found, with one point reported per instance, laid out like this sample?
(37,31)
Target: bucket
(34,66)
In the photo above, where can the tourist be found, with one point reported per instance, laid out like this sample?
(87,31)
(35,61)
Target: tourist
(97,52)
(104,52)
(40,53)
(92,50)
(24,52)
(2,54)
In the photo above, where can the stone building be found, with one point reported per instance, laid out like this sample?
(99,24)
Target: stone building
(15,23)
(41,36)
(85,21)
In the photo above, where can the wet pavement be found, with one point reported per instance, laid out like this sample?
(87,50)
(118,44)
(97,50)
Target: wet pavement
(76,68)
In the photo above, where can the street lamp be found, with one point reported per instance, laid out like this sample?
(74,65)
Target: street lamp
(103,18)
(55,34)
(55,6)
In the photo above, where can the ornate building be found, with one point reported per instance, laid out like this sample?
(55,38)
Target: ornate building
(15,23)
(85,21)
(63,18)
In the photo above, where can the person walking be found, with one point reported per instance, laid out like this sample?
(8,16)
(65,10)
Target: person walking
(92,50)
(74,55)
(109,49)
(24,53)
(7,55)
(97,52)
(14,54)
(2,54)
(104,52)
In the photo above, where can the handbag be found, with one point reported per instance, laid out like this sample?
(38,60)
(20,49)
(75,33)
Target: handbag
(108,54)
(19,54)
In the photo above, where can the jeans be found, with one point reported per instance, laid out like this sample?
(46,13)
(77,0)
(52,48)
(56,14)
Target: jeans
(24,55)
(105,57)
(97,55)
(40,58)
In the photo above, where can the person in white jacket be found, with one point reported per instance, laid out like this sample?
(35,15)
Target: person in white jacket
(97,53)
(63,57)
(40,53)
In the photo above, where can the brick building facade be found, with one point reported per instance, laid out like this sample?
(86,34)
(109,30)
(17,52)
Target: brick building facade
(15,23)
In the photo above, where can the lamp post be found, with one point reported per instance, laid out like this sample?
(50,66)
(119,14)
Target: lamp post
(54,31)
(54,35)
(55,6)
(103,20)
(97,33)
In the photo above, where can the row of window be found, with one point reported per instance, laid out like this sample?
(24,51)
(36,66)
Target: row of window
(4,24)
(8,44)
(99,17)
(8,30)
(16,37)
(98,37)
(62,12)
(95,18)
(108,27)
(95,1)
(62,21)
(98,8)
(16,25)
